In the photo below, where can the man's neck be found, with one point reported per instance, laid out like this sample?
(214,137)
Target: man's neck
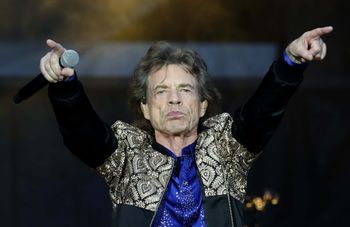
(175,143)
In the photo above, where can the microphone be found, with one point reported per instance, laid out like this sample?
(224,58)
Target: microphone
(69,59)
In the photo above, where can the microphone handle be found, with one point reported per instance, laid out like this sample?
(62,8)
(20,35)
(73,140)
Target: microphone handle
(30,88)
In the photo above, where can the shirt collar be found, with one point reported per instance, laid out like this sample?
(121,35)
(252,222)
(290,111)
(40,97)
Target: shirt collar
(186,151)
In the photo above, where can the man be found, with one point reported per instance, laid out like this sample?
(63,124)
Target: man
(181,163)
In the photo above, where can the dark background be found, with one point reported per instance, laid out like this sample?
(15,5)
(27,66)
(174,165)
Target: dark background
(305,164)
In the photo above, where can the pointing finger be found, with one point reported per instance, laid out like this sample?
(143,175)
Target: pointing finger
(318,32)
(56,47)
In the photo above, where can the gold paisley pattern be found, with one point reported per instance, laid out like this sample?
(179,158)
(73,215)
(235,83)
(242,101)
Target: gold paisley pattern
(222,162)
(137,175)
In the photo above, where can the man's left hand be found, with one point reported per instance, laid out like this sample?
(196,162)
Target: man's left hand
(309,46)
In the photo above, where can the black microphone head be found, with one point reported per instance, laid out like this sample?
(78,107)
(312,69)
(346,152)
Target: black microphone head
(69,59)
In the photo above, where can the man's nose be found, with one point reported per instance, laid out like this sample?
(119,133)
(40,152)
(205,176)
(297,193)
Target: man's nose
(175,98)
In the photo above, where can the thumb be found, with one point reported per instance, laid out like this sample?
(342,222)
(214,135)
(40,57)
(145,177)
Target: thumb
(67,72)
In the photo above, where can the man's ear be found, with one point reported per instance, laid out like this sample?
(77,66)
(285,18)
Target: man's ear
(145,110)
(204,106)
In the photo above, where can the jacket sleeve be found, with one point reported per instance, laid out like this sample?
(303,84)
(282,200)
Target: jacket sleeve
(257,119)
(83,131)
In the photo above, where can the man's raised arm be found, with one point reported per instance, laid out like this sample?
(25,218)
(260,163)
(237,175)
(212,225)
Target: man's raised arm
(258,118)
(84,133)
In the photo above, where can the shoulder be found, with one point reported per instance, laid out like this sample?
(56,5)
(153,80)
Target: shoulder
(220,122)
(130,135)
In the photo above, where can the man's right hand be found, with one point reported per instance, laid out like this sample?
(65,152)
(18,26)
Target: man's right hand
(50,65)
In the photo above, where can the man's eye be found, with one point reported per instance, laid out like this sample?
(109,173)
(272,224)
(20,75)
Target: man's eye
(160,92)
(185,90)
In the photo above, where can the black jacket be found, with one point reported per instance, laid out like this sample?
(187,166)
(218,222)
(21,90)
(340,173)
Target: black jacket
(116,151)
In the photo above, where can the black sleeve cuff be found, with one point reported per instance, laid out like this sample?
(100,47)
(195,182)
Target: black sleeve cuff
(65,90)
(292,75)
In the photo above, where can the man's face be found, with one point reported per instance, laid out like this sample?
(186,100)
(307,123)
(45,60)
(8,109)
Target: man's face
(173,105)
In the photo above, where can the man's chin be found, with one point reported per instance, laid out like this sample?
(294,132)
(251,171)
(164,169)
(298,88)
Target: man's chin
(177,128)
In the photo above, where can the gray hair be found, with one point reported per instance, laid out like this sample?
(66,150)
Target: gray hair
(161,54)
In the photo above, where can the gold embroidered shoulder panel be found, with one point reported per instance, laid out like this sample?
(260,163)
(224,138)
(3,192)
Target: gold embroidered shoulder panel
(222,162)
(135,173)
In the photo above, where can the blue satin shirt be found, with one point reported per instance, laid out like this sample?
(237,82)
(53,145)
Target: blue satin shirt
(182,203)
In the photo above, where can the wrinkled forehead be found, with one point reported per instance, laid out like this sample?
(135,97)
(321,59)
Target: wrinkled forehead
(171,74)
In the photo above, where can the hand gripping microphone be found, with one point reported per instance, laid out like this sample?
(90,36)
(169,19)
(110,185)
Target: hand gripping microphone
(69,59)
